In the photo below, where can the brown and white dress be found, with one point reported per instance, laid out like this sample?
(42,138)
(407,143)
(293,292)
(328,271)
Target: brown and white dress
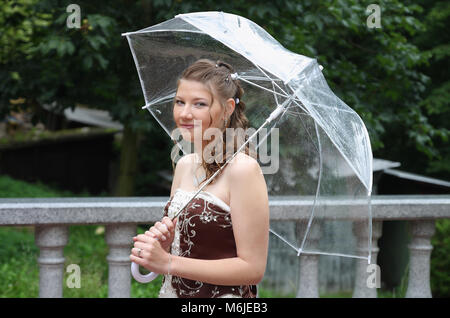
(203,231)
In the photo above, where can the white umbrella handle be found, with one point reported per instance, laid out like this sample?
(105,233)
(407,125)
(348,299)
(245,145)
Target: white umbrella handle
(139,277)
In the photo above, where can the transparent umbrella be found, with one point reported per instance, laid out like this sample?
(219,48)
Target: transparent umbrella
(309,143)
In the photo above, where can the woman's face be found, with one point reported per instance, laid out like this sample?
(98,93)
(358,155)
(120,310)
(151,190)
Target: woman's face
(194,108)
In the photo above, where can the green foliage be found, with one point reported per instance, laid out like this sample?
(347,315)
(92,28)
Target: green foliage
(394,77)
(88,250)
(435,41)
(440,260)
(18,25)
(10,188)
(19,271)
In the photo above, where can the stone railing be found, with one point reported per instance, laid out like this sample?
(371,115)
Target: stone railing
(51,218)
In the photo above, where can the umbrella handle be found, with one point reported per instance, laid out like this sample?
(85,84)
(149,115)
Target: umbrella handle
(139,277)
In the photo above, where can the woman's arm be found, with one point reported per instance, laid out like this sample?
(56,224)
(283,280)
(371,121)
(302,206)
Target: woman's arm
(250,218)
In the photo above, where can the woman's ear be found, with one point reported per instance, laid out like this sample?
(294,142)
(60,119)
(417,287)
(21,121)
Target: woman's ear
(230,106)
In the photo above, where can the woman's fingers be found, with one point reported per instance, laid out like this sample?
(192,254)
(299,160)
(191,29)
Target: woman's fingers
(170,225)
(144,238)
(161,230)
(138,252)
(144,246)
(155,233)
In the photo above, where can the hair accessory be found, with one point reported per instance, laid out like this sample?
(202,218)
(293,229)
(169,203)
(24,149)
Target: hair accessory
(234,76)
(237,100)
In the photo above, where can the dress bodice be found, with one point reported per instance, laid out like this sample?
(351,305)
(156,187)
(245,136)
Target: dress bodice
(204,231)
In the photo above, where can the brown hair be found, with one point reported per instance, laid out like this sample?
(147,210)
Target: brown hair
(217,77)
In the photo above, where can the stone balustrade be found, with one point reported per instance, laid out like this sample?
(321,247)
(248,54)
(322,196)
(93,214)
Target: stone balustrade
(51,218)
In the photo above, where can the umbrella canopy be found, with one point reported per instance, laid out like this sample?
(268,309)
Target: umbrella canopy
(313,145)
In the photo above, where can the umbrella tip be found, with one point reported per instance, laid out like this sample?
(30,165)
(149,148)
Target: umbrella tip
(321,67)
(299,251)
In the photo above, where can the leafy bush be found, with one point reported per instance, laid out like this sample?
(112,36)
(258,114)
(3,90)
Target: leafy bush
(11,188)
(440,260)
(19,271)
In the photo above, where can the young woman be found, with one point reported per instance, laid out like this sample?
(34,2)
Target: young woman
(217,247)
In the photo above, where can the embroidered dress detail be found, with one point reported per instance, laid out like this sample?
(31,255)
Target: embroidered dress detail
(204,231)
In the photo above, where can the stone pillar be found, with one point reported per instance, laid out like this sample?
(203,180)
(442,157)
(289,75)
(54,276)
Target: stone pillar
(419,259)
(360,229)
(309,264)
(120,241)
(51,240)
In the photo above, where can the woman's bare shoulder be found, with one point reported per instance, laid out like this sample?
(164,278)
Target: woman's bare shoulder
(246,180)
(243,166)
(181,168)
(187,160)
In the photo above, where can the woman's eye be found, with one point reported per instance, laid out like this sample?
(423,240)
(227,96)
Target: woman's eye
(200,104)
(179,102)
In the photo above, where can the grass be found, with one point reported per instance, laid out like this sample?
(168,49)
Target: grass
(11,188)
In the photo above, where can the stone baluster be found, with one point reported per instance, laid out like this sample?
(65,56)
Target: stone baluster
(419,259)
(51,240)
(309,264)
(362,288)
(120,241)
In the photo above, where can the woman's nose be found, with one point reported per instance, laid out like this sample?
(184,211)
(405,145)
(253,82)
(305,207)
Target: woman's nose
(186,112)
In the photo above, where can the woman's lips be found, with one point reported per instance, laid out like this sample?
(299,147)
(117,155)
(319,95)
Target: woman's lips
(187,126)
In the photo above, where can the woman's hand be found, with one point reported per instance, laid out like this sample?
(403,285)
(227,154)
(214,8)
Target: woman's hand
(148,253)
(154,246)
(164,232)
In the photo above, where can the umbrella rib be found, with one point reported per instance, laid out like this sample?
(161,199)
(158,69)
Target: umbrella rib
(331,107)
(161,30)
(267,135)
(283,239)
(259,78)
(273,85)
(137,68)
(275,95)
(317,192)
(261,87)
(273,82)
(160,100)
(272,91)
(301,106)
(333,254)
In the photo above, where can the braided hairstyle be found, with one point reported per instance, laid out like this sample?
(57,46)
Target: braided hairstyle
(217,78)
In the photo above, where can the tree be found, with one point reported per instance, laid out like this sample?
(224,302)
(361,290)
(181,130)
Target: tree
(436,102)
(389,75)
(49,63)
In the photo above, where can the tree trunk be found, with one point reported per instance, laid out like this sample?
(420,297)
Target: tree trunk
(128,163)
